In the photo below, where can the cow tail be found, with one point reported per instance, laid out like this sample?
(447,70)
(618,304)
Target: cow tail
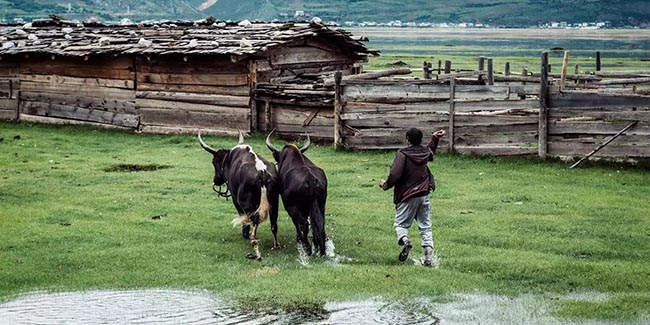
(264,208)
(318,227)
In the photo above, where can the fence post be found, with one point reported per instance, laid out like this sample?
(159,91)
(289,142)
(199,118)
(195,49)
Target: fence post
(565,65)
(424,70)
(452,113)
(597,60)
(481,66)
(507,69)
(543,108)
(490,63)
(439,65)
(447,67)
(338,106)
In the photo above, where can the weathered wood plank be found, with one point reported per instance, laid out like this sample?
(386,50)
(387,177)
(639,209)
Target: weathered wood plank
(595,127)
(305,54)
(208,99)
(228,80)
(55,120)
(613,150)
(369,107)
(102,103)
(81,72)
(213,130)
(371,93)
(201,89)
(569,99)
(86,82)
(601,113)
(177,118)
(77,113)
(194,65)
(6,114)
(8,103)
(497,150)
(182,106)
(314,131)
(526,139)
(78,90)
(496,105)
(287,115)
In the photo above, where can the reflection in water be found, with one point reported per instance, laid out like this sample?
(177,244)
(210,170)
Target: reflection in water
(186,307)
(200,307)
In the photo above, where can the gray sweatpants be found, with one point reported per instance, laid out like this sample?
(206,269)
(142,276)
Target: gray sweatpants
(418,208)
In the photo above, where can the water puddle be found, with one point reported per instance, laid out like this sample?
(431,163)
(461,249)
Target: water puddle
(186,307)
(200,307)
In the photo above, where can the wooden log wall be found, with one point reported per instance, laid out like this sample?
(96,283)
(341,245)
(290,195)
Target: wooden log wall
(491,120)
(9,90)
(580,121)
(185,95)
(295,110)
(96,90)
(311,57)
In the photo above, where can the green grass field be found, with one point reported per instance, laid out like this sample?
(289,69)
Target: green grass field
(70,220)
(621,50)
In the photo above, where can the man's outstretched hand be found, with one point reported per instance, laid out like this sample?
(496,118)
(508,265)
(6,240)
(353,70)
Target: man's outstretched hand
(439,133)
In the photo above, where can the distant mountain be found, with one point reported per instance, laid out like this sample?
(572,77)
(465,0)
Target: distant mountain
(514,13)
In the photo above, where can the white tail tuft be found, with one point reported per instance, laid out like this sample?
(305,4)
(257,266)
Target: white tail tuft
(262,211)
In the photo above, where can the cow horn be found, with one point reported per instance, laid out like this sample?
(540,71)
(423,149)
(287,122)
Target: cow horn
(241,138)
(269,144)
(205,146)
(306,145)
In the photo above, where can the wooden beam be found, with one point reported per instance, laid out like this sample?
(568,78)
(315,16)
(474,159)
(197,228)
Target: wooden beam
(543,108)
(369,75)
(490,63)
(452,113)
(565,64)
(338,108)
(604,144)
(597,60)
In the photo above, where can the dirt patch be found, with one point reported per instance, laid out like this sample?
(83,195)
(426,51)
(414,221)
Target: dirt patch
(135,168)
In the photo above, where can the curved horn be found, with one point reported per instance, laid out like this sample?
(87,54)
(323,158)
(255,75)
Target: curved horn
(205,146)
(269,144)
(241,138)
(306,145)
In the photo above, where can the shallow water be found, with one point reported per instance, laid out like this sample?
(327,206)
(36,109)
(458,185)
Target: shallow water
(186,307)
(200,307)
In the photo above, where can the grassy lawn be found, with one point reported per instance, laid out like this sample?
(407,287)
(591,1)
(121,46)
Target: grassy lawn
(71,220)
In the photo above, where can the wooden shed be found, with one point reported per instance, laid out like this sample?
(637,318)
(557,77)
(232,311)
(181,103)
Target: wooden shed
(162,78)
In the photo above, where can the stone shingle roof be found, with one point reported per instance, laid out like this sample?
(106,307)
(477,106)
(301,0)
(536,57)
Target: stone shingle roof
(206,37)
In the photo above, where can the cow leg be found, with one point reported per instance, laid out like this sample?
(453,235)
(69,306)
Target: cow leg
(274,221)
(302,228)
(256,255)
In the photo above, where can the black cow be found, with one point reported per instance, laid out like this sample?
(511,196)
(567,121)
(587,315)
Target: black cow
(304,192)
(253,184)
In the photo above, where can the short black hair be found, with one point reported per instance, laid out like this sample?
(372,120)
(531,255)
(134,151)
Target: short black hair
(414,136)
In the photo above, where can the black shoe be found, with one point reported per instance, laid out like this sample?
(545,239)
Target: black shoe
(404,254)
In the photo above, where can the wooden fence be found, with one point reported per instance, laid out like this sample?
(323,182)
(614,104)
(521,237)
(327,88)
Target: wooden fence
(485,113)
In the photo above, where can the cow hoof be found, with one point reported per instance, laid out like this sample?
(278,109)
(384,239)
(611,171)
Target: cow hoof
(277,246)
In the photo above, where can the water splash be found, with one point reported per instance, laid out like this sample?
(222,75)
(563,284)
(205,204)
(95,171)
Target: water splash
(329,248)
(435,260)
(303,257)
